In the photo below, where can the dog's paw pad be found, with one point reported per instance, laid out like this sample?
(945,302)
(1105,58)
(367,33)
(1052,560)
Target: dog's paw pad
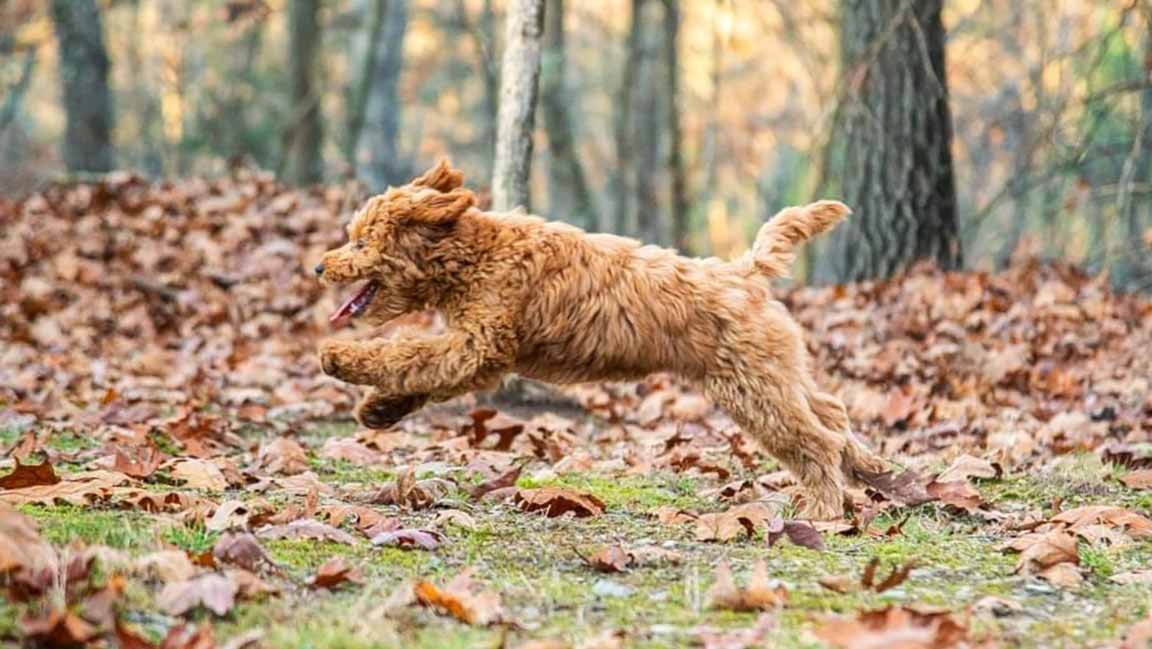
(384,413)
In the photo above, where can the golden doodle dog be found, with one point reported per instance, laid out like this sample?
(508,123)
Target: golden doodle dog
(551,302)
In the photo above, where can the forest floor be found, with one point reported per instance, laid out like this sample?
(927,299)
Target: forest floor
(176,472)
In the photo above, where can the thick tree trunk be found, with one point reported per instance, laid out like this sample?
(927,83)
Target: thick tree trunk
(678,201)
(520,74)
(621,179)
(568,195)
(84,80)
(897,134)
(647,123)
(302,163)
(380,144)
(484,40)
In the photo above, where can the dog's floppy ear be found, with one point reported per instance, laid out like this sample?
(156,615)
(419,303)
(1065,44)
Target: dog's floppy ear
(442,209)
(441,177)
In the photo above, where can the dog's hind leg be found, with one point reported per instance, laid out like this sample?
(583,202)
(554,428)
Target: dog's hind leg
(857,457)
(775,409)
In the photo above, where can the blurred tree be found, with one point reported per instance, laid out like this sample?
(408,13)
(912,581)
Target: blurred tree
(1134,269)
(302,163)
(483,35)
(83,68)
(380,146)
(621,180)
(568,195)
(678,202)
(896,133)
(520,74)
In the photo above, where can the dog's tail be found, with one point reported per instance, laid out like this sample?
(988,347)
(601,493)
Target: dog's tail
(774,251)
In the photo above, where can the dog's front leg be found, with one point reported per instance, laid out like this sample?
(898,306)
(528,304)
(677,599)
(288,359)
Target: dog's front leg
(443,365)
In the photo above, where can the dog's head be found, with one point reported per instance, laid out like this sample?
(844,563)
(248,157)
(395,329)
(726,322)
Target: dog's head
(391,241)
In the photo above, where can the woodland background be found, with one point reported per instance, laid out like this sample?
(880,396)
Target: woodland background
(711,114)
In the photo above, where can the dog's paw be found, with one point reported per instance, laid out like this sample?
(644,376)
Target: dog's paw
(379,413)
(330,355)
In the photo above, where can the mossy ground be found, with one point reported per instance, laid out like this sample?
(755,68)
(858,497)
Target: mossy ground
(551,593)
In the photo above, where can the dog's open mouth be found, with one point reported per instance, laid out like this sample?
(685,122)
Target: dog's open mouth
(355,304)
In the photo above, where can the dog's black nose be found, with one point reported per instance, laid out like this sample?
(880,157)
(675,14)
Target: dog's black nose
(319,269)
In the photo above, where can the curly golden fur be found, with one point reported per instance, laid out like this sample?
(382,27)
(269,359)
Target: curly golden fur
(551,302)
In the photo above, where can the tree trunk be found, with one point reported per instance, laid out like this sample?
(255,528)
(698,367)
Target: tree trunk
(568,195)
(1133,269)
(358,96)
(897,135)
(678,201)
(647,120)
(302,164)
(83,69)
(520,74)
(380,144)
(621,182)
(484,40)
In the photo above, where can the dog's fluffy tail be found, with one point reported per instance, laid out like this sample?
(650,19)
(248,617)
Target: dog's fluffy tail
(774,251)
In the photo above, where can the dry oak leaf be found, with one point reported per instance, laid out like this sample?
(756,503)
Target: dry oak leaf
(349,450)
(798,532)
(896,627)
(1063,575)
(1132,523)
(407,491)
(905,488)
(283,456)
(241,549)
(1042,550)
(727,525)
(898,576)
(213,591)
(759,595)
(967,466)
(335,572)
(57,628)
(501,481)
(21,545)
(74,489)
(307,528)
(956,493)
(608,559)
(557,501)
(671,515)
(199,474)
(1141,479)
(166,566)
(29,475)
(463,599)
(409,538)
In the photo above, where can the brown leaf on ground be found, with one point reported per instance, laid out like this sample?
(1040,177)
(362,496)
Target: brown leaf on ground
(283,456)
(409,492)
(183,636)
(727,525)
(759,595)
(138,462)
(557,501)
(900,627)
(670,515)
(1064,575)
(213,591)
(335,572)
(798,532)
(409,538)
(21,545)
(307,529)
(838,583)
(57,628)
(241,549)
(906,488)
(608,559)
(1042,550)
(29,475)
(1139,635)
(502,481)
(463,599)
(1141,479)
(1131,523)
(165,566)
(249,585)
(738,638)
(349,450)
(73,489)
(957,493)
(967,466)
(199,474)
(898,576)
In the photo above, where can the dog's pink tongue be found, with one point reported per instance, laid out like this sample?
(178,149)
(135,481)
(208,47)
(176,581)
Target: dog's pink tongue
(342,315)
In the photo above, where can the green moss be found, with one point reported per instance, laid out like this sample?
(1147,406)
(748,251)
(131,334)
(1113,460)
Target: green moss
(643,493)
(118,529)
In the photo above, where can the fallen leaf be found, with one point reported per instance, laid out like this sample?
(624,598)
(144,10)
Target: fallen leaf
(502,481)
(906,488)
(57,628)
(1041,550)
(29,475)
(1141,479)
(335,572)
(409,538)
(463,599)
(557,501)
(608,559)
(738,638)
(241,549)
(967,466)
(456,518)
(758,595)
(798,532)
(283,456)
(1132,523)
(21,545)
(957,493)
(837,583)
(74,489)
(199,474)
(1134,577)
(727,525)
(1064,575)
(670,515)
(898,576)
(213,591)
(307,529)
(166,566)
(900,627)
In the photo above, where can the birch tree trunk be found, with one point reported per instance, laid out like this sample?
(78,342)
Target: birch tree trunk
(896,132)
(520,75)
(84,82)
(302,164)
(568,195)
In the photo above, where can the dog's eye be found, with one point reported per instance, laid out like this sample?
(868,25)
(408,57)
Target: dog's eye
(358,245)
